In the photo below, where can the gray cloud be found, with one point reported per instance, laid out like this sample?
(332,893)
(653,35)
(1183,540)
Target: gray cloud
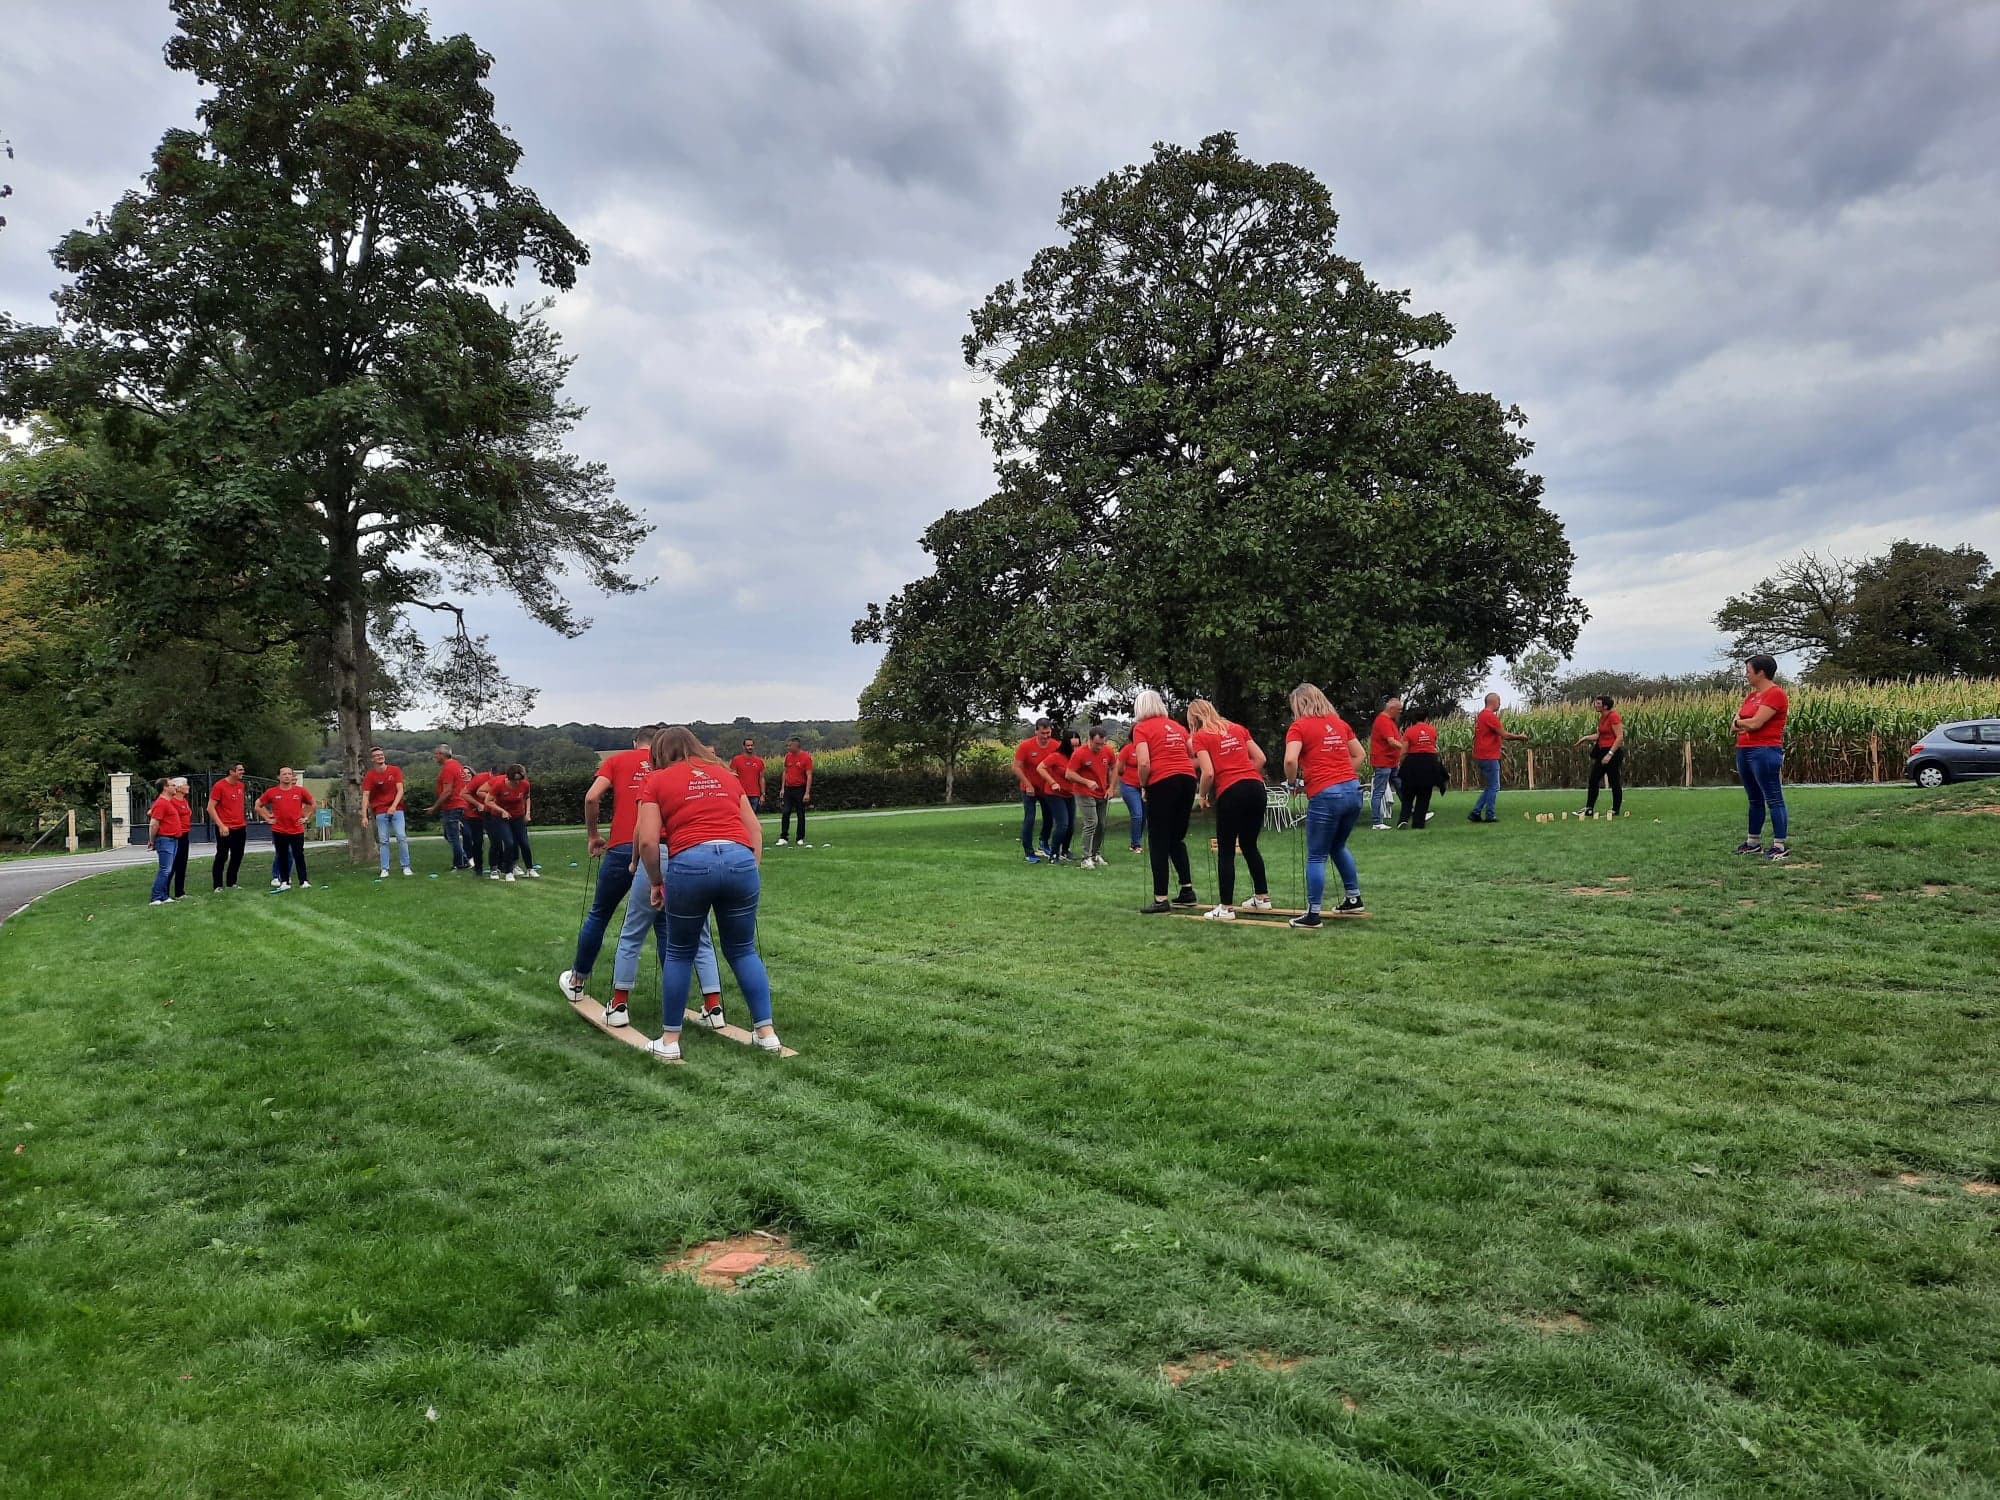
(1734,261)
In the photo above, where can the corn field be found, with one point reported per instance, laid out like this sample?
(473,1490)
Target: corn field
(1836,732)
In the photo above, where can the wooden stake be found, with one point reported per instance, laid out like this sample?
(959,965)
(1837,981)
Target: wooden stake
(1687,761)
(1531,768)
(1875,754)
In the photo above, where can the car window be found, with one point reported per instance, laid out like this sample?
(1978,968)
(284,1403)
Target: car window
(1965,734)
(1990,733)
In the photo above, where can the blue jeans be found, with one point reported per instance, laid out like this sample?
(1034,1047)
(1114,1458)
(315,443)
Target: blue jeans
(640,916)
(1330,818)
(1055,823)
(1029,805)
(1385,777)
(499,846)
(1489,794)
(1762,769)
(719,877)
(614,879)
(168,848)
(1135,806)
(453,819)
(388,825)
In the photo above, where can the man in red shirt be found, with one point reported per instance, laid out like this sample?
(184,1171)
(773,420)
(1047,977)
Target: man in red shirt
(285,807)
(1385,755)
(1091,772)
(798,791)
(1489,742)
(382,785)
(225,811)
(1027,771)
(450,804)
(749,769)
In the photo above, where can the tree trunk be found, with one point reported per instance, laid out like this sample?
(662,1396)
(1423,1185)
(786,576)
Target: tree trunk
(950,772)
(354,722)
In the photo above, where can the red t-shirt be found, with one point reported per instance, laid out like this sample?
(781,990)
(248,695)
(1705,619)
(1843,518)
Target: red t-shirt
(1420,739)
(1166,742)
(227,796)
(1128,763)
(1057,764)
(512,795)
(1027,755)
(451,785)
(1323,758)
(381,787)
(749,771)
(1096,764)
(797,764)
(698,803)
(627,771)
(1487,743)
(1773,732)
(175,816)
(286,807)
(1607,728)
(475,805)
(1229,752)
(1382,755)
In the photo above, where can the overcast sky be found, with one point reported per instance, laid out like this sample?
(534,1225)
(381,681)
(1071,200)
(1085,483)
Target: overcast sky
(1740,264)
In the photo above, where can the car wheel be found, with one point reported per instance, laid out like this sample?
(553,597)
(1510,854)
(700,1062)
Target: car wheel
(1931,776)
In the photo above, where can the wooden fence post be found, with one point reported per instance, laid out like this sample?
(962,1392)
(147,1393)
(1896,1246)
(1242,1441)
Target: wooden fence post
(1875,754)
(1462,779)
(1531,768)
(1687,762)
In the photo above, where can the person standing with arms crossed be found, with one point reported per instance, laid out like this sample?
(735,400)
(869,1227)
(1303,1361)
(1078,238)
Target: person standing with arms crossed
(284,807)
(225,811)
(1607,756)
(797,793)
(1231,768)
(1760,755)
(1167,772)
(1321,747)
(749,769)
(382,785)
(1489,743)
(1090,773)
(1385,755)
(167,823)
(450,804)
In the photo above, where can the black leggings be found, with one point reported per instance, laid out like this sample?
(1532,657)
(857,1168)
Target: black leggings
(288,857)
(1609,768)
(1239,818)
(1420,779)
(181,865)
(228,855)
(794,801)
(1169,804)
(473,837)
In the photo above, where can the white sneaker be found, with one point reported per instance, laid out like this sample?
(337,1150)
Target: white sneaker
(803,844)
(571,987)
(1219,914)
(781,843)
(509,879)
(159,903)
(666,1049)
(408,872)
(1257,903)
(1381,827)
(277,885)
(617,1015)
(492,874)
(534,874)
(710,1019)
(305,885)
(766,1041)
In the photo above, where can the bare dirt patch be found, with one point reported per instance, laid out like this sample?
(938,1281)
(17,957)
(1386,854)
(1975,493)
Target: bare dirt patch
(1348,1403)
(1871,895)
(1983,1189)
(1746,901)
(1911,1179)
(724,1264)
(1208,1362)
(1799,864)
(1555,1325)
(1597,890)
(1932,888)
(1977,810)
(1617,879)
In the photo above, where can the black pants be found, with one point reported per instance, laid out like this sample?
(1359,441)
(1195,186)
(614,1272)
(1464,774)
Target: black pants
(474,838)
(1239,818)
(288,857)
(794,802)
(1421,775)
(181,865)
(1609,768)
(228,855)
(1169,804)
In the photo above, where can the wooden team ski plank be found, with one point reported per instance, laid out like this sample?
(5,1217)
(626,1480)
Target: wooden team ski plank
(1263,918)
(593,1012)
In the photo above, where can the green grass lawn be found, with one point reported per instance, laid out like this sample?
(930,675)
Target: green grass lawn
(1596,1162)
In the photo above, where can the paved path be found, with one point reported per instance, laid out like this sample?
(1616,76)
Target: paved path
(23,880)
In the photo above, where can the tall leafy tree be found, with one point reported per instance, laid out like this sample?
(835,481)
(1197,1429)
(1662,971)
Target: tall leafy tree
(1922,610)
(1804,609)
(1227,459)
(288,346)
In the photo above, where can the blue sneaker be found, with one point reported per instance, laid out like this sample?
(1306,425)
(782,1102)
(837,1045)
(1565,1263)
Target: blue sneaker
(1034,859)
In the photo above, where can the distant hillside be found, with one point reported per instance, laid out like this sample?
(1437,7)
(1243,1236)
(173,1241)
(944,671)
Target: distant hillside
(548,748)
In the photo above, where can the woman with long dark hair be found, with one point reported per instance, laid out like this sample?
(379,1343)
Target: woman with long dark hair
(1167,773)
(1607,756)
(1231,772)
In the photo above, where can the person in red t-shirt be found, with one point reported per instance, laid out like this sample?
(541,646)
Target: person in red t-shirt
(167,823)
(700,844)
(749,769)
(1421,773)
(1489,742)
(1132,794)
(1607,756)
(450,805)
(509,795)
(1091,771)
(285,807)
(1167,772)
(1385,756)
(382,786)
(1052,772)
(225,811)
(796,794)
(1232,772)
(1321,749)
(1034,795)
(1760,754)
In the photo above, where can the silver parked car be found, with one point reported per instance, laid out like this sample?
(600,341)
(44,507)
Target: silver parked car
(1954,752)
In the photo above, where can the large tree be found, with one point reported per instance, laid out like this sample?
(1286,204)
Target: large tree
(1804,609)
(1227,460)
(289,348)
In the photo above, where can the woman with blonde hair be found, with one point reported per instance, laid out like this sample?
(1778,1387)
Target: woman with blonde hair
(1320,746)
(1167,774)
(1232,776)
(694,806)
